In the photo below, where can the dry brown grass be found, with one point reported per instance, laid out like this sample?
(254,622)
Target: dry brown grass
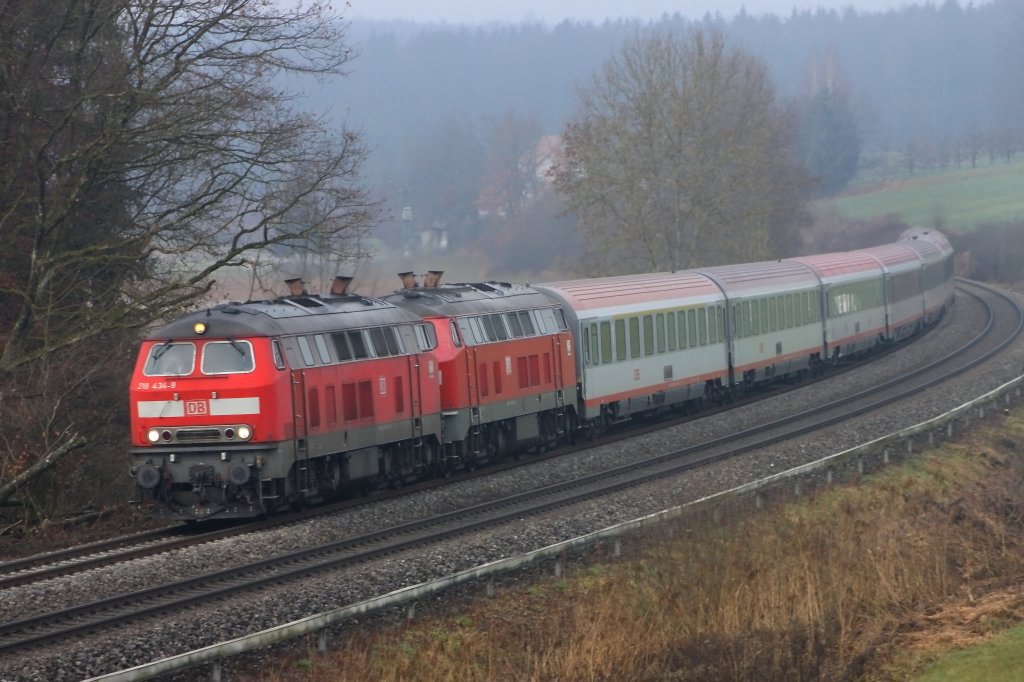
(839,586)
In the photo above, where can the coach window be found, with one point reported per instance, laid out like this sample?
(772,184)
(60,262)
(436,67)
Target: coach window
(620,339)
(307,352)
(590,345)
(681,326)
(648,335)
(720,315)
(634,337)
(670,329)
(659,324)
(321,348)
(702,327)
(606,342)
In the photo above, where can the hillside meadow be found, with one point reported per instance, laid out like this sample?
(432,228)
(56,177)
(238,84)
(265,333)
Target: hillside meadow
(963,199)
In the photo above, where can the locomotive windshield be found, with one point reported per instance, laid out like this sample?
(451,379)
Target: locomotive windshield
(227,357)
(170,359)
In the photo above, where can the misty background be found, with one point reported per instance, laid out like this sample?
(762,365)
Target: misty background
(446,110)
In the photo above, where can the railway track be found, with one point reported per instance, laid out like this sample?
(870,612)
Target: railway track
(1005,323)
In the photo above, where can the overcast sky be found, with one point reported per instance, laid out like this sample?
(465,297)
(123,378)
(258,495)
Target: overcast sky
(554,11)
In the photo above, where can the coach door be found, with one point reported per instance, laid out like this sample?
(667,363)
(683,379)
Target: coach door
(303,475)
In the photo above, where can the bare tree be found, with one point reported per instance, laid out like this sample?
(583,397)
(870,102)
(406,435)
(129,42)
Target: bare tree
(681,156)
(145,146)
(510,170)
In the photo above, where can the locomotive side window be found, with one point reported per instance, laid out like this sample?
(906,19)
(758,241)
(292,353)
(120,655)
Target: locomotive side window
(278,357)
(540,324)
(455,334)
(170,359)
(425,337)
(490,333)
(380,346)
(358,345)
(560,319)
(515,326)
(341,346)
(499,326)
(321,348)
(227,357)
(526,321)
(307,352)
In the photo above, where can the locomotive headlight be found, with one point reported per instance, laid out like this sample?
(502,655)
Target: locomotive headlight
(244,432)
(153,435)
(199,328)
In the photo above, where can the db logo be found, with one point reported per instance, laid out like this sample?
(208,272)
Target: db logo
(195,408)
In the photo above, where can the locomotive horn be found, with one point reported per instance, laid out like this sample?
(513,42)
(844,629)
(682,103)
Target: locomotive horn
(296,286)
(433,278)
(408,280)
(340,285)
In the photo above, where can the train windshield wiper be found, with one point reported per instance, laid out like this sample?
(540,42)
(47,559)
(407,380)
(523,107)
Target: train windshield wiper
(162,348)
(237,346)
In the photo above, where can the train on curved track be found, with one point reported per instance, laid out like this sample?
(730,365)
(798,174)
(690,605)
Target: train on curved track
(244,408)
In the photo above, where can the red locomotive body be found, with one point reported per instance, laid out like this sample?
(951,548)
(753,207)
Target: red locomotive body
(245,408)
(507,365)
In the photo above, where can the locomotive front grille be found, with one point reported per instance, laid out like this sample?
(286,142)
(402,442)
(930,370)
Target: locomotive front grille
(198,435)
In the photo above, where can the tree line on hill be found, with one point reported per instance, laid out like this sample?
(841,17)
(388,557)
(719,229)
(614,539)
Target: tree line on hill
(869,95)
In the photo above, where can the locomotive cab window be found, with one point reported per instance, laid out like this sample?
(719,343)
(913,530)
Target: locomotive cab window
(170,359)
(227,357)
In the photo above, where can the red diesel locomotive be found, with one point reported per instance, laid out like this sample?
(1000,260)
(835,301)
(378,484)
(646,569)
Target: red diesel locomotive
(244,408)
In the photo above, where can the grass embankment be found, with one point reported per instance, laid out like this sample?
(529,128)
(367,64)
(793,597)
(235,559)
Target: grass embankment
(871,580)
(964,198)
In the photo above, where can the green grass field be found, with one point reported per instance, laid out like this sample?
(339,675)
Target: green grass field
(961,199)
(1002,658)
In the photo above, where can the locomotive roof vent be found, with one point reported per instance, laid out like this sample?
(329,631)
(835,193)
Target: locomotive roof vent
(433,278)
(296,287)
(340,285)
(408,280)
